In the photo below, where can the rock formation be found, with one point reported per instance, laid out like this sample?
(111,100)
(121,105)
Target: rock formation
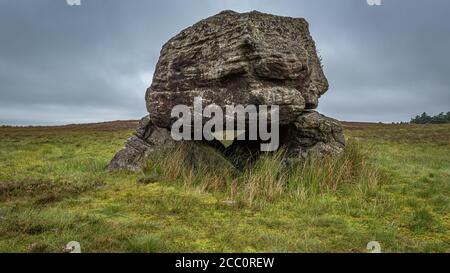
(239,58)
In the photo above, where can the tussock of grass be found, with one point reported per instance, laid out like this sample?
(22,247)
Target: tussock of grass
(324,175)
(422,220)
(269,178)
(264,181)
(193,165)
(145,244)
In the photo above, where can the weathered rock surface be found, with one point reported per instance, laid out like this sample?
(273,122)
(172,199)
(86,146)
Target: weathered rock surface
(241,58)
(314,133)
(248,59)
(146,140)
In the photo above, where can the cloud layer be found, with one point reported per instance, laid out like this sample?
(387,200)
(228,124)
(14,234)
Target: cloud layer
(67,64)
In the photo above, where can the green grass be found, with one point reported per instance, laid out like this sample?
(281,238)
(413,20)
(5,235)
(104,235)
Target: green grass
(392,185)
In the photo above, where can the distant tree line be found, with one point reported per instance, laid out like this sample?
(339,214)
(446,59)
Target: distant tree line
(426,119)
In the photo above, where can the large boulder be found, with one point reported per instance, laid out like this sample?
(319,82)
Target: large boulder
(239,58)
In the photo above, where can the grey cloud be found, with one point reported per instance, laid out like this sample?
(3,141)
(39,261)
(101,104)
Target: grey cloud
(61,64)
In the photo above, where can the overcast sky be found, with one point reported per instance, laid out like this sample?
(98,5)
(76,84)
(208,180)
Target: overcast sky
(74,64)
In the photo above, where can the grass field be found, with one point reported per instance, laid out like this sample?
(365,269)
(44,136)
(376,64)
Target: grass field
(392,186)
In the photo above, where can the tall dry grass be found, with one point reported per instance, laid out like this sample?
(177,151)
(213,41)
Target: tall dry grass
(324,175)
(269,178)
